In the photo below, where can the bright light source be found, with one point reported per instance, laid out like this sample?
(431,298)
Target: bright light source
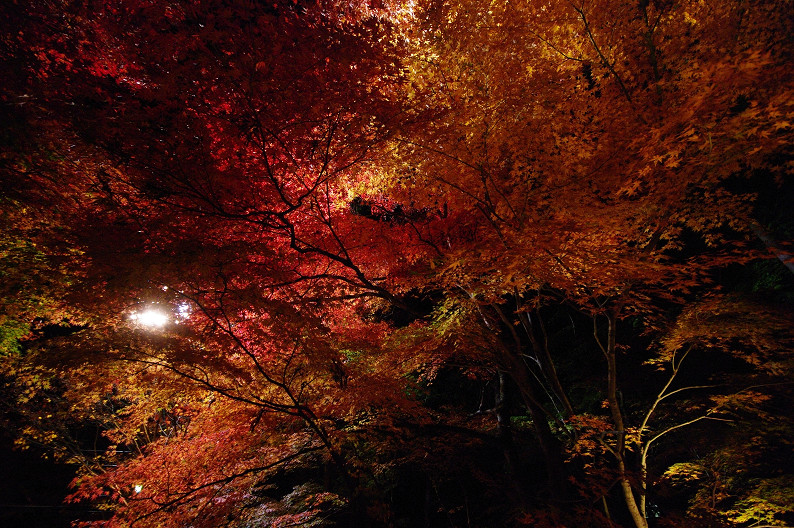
(138,488)
(183,310)
(150,317)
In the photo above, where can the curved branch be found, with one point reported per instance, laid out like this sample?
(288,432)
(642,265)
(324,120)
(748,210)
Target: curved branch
(161,506)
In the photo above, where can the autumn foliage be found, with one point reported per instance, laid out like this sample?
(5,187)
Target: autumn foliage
(316,263)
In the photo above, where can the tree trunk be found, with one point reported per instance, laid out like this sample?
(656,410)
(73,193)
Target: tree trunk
(552,450)
(617,417)
(503,423)
(513,362)
(541,350)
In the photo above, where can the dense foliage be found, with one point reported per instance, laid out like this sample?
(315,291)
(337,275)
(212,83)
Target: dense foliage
(310,263)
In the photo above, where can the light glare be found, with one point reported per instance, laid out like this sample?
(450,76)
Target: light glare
(152,318)
(183,310)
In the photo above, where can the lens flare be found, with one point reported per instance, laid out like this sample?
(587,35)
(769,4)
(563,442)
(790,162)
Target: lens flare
(152,318)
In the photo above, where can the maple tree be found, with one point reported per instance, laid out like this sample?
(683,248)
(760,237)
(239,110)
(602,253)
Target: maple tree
(280,118)
(581,148)
(339,208)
